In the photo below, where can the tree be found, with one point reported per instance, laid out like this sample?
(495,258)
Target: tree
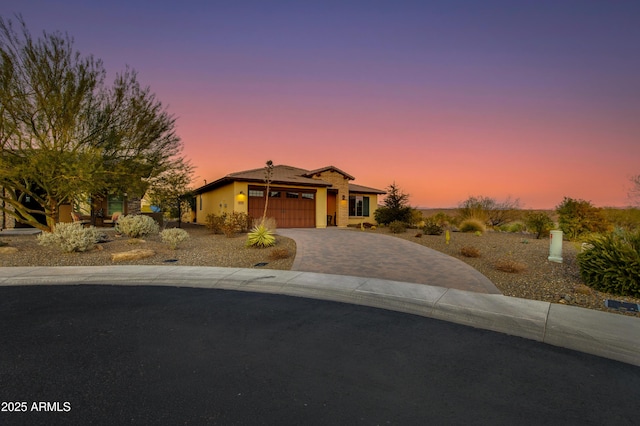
(65,135)
(488,210)
(171,192)
(580,217)
(538,222)
(396,207)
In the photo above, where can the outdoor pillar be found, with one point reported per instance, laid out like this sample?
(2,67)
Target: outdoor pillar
(555,248)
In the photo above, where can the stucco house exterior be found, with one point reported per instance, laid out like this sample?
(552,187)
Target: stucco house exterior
(102,208)
(298,198)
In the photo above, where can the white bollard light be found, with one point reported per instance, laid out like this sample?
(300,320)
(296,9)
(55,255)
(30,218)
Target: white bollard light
(555,249)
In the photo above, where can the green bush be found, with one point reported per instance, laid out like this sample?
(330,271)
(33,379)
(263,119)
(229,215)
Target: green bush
(228,224)
(70,237)
(235,222)
(174,236)
(578,218)
(136,226)
(397,227)
(431,227)
(472,225)
(396,207)
(261,236)
(214,223)
(538,223)
(627,219)
(611,263)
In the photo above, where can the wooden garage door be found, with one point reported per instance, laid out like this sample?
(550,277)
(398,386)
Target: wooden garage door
(291,208)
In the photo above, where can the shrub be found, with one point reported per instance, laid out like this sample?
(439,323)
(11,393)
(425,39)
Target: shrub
(489,211)
(579,217)
(472,225)
(214,223)
(397,227)
(470,251)
(174,236)
(627,219)
(235,222)
(70,237)
(538,223)
(431,227)
(136,226)
(441,219)
(279,253)
(416,219)
(261,236)
(396,207)
(611,263)
(510,265)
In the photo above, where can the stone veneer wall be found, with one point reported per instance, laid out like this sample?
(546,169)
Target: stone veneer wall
(133,205)
(7,221)
(341,183)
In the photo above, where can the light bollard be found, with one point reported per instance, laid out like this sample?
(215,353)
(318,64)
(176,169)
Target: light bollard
(555,248)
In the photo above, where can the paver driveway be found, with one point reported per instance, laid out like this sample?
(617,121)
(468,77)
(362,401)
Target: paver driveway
(364,254)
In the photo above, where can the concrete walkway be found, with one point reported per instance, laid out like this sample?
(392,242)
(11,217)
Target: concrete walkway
(598,333)
(363,254)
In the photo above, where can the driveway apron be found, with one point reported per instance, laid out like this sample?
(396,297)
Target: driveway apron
(363,254)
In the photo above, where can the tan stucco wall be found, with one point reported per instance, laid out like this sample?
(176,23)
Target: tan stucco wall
(373,205)
(216,202)
(339,182)
(231,200)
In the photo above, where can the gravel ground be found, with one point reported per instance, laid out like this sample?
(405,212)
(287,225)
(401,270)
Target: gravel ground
(540,280)
(201,249)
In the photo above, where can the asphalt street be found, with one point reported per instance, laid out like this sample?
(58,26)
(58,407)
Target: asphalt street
(78,355)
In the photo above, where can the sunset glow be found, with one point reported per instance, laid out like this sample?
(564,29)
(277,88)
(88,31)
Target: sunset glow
(536,100)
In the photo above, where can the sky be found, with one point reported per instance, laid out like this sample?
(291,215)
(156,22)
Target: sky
(533,100)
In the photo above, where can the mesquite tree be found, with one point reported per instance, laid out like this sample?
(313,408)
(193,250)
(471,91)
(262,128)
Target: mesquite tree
(65,135)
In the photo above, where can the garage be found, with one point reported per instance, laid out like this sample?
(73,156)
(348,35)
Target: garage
(290,207)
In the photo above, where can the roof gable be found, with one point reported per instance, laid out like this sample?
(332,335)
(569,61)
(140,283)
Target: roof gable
(329,168)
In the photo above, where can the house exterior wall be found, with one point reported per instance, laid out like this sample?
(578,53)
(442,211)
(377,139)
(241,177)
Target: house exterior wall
(373,205)
(341,183)
(227,199)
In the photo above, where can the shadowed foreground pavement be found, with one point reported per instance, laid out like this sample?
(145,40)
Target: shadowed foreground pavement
(164,355)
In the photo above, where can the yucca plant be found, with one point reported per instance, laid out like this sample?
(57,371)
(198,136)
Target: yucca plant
(261,236)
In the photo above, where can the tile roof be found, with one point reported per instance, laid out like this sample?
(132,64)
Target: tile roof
(364,189)
(285,175)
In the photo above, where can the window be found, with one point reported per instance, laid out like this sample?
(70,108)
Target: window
(308,195)
(256,193)
(115,203)
(274,194)
(358,206)
(292,194)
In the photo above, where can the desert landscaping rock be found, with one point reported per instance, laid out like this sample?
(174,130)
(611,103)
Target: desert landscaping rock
(132,255)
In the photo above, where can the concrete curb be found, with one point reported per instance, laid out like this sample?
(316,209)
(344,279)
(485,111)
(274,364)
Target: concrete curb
(599,333)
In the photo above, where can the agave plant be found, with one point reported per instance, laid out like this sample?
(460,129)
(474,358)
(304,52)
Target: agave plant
(261,236)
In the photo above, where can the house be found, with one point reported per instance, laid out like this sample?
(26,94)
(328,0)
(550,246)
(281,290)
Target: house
(298,198)
(94,209)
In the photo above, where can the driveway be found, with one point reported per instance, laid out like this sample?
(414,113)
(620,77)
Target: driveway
(363,254)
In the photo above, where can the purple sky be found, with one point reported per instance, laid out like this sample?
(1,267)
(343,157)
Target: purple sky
(533,99)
